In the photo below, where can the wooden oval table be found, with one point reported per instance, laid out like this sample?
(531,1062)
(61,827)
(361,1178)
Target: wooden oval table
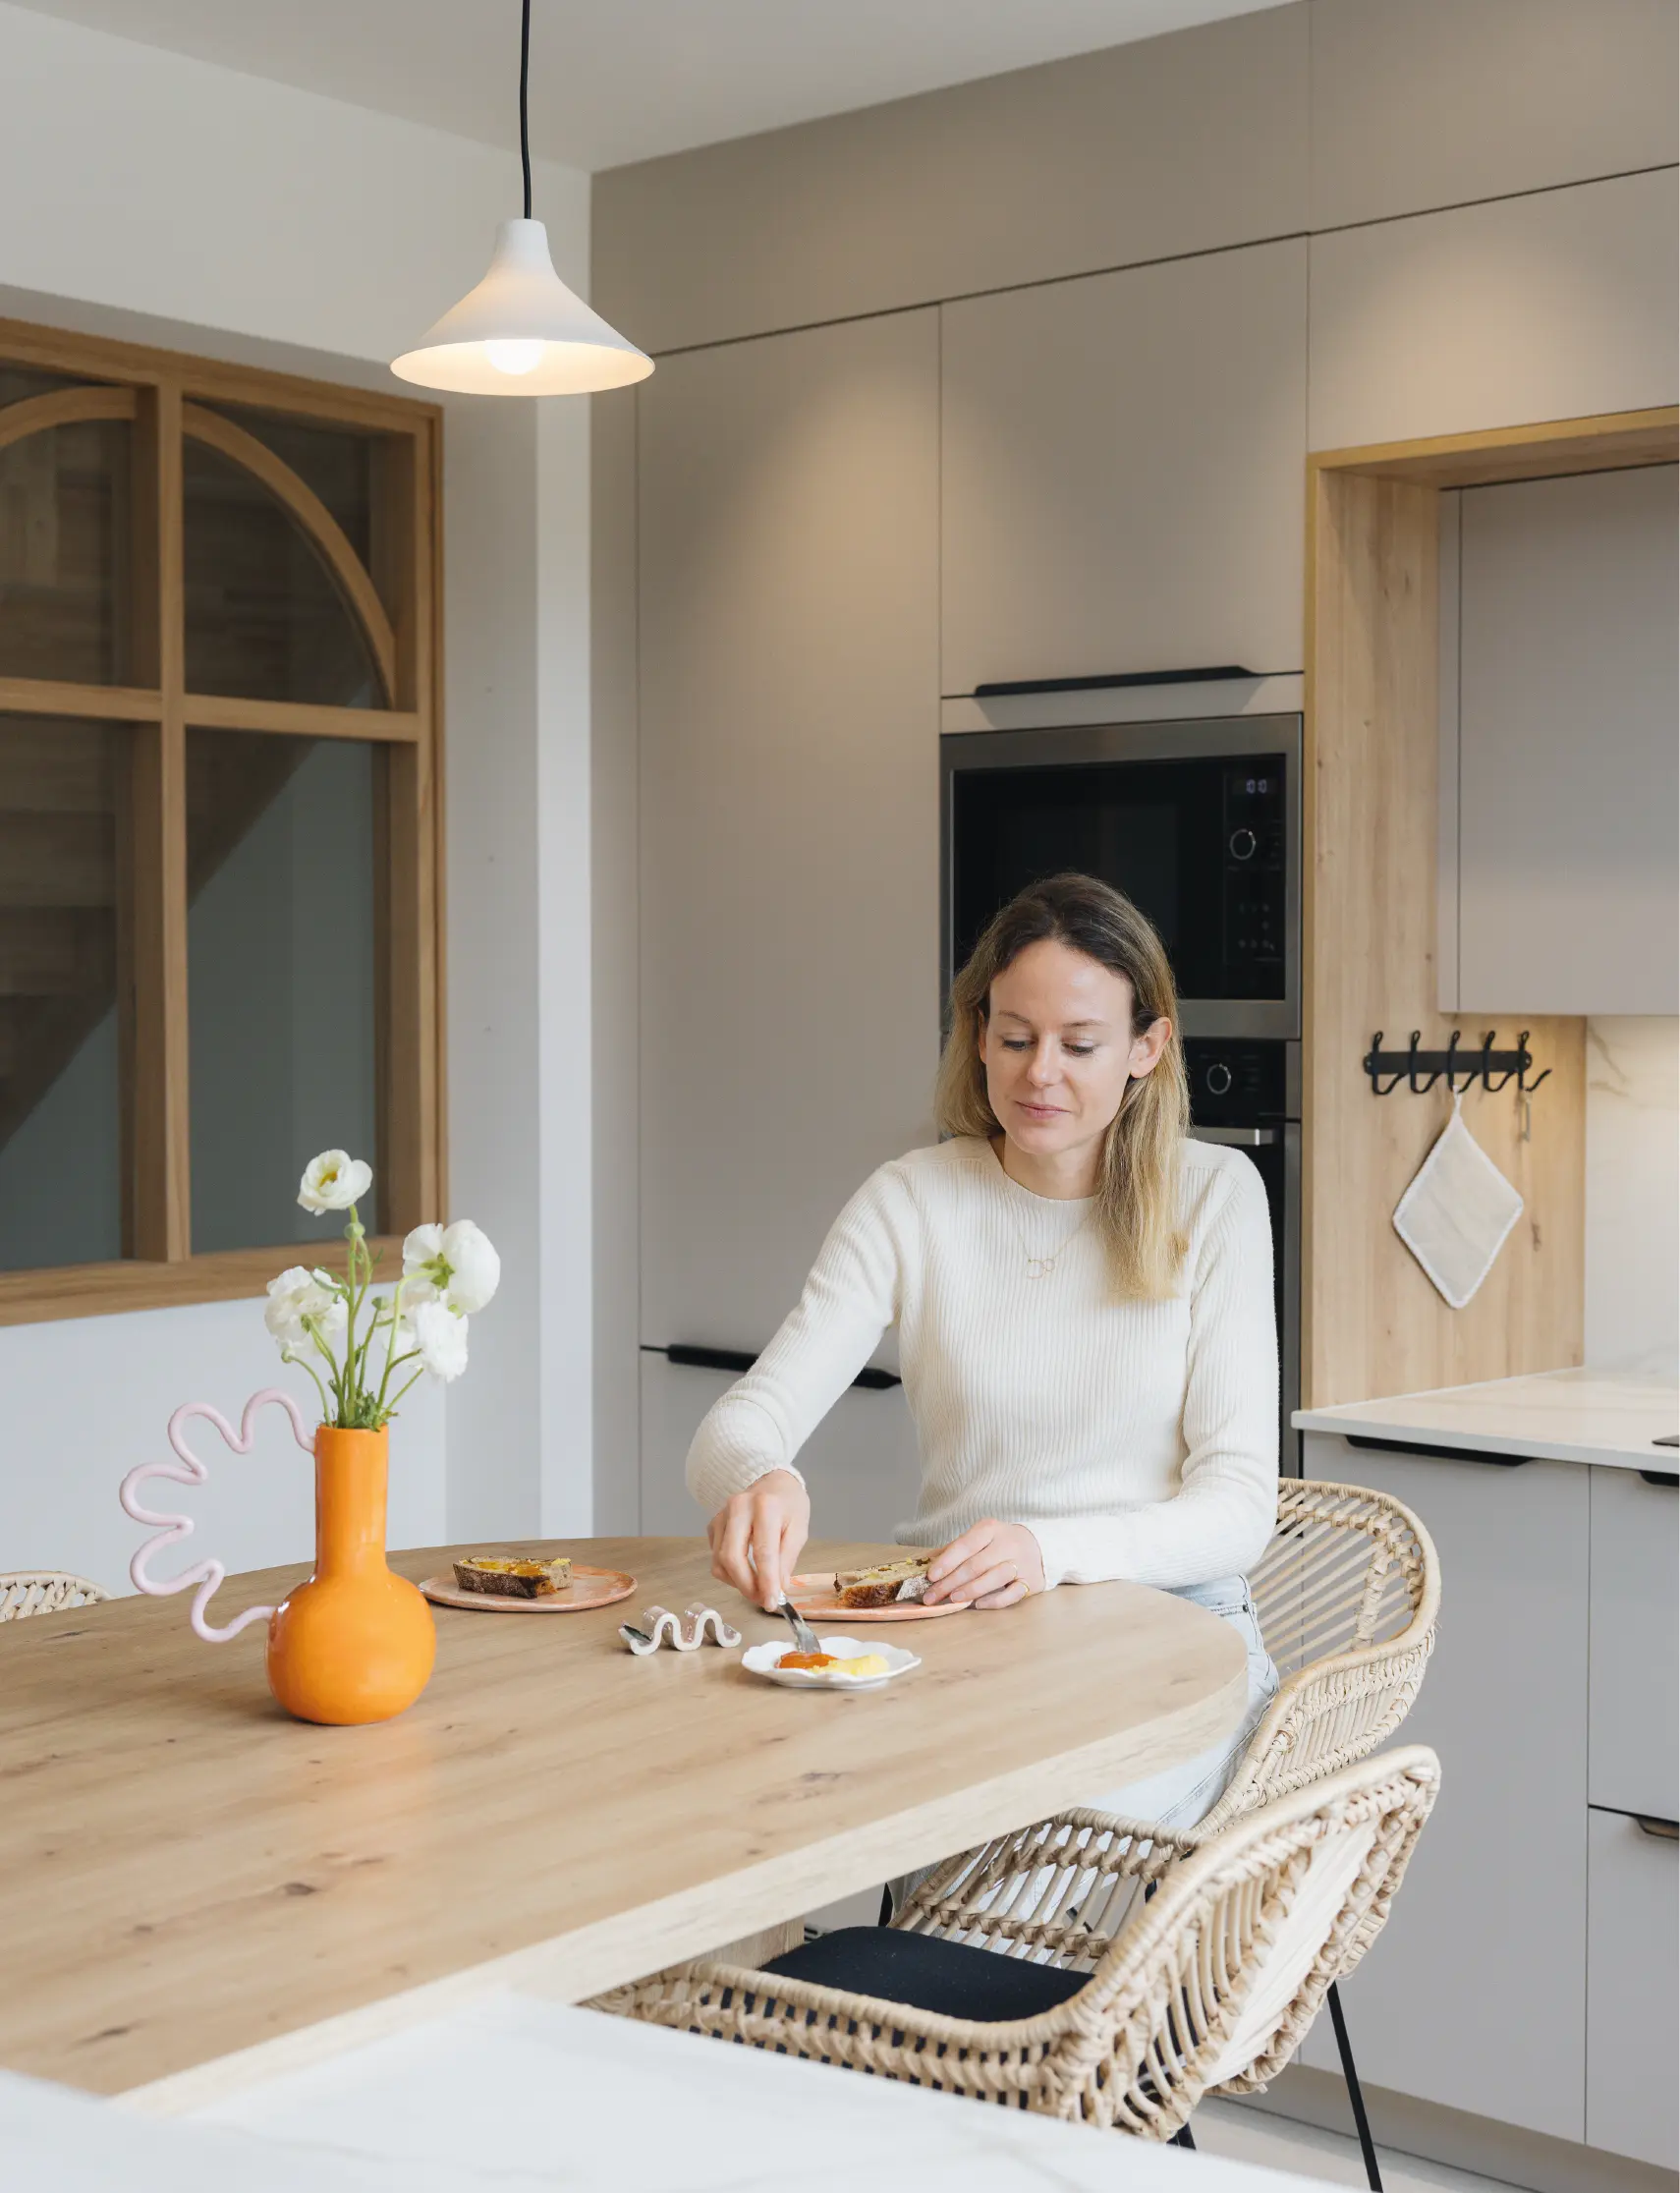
(186,1874)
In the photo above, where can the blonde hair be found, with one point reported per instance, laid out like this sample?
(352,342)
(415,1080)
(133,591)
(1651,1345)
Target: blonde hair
(1138,1173)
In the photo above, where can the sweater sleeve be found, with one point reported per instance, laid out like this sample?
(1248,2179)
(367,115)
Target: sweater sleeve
(851,1297)
(1220,1520)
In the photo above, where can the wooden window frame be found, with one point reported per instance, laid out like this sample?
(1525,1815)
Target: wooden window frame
(164,393)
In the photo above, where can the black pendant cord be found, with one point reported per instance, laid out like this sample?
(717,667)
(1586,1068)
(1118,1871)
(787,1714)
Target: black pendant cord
(525,103)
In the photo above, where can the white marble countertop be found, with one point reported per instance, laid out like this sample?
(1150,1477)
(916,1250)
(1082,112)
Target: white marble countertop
(1606,1418)
(514,2093)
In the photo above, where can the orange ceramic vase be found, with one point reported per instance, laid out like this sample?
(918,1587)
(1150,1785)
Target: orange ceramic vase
(356,1643)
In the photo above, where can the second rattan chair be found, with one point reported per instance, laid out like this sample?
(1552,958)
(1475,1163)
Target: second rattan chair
(1348,1593)
(44,1592)
(1211,1981)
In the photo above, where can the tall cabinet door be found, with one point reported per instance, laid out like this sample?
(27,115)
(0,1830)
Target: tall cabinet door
(789,825)
(1123,470)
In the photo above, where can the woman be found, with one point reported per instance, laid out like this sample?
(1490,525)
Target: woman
(1084,1302)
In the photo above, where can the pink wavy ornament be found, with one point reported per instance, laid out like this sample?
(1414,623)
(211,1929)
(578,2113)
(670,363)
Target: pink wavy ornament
(208,1573)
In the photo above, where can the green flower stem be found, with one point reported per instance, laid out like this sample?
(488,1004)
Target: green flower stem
(402,1391)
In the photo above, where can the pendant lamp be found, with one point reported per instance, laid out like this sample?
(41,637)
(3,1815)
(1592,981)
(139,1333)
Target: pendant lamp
(521,332)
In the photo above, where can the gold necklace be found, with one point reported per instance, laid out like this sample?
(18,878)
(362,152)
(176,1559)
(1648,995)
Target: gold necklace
(1040,1267)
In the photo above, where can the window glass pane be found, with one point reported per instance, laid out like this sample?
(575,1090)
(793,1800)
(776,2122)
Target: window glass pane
(282,976)
(337,462)
(63,799)
(265,620)
(63,533)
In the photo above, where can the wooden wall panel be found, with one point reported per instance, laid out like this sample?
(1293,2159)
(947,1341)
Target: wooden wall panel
(1373,1323)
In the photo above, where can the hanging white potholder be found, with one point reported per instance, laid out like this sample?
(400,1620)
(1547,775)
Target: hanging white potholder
(1455,1215)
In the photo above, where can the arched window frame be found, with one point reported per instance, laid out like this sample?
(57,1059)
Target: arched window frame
(169,399)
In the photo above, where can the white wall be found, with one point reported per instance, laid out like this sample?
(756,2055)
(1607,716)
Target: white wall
(1633,1193)
(155,196)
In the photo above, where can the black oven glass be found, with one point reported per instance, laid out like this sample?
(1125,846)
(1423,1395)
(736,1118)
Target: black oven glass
(1198,844)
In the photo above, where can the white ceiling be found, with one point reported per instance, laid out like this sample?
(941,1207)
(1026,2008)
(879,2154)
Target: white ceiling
(623,80)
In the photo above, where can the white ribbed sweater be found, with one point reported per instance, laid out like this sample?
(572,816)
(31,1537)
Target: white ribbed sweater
(1134,1439)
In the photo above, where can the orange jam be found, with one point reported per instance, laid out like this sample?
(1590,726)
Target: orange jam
(807,1660)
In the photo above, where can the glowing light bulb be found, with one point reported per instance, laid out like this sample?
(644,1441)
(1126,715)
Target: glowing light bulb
(516,356)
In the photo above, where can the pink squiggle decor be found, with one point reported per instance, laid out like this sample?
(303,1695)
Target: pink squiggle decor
(208,1573)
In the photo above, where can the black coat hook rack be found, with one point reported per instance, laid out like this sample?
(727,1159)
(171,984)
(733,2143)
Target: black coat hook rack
(1480,1065)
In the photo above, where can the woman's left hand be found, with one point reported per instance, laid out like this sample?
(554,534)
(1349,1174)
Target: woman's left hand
(992,1564)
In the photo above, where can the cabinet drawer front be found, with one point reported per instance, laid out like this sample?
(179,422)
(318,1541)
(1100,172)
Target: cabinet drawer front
(1633,2032)
(1634,1645)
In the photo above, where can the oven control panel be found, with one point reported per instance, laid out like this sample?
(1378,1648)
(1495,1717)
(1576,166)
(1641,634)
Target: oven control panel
(1238,1084)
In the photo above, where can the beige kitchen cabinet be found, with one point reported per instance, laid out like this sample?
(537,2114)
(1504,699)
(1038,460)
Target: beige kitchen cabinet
(1420,103)
(860,1463)
(1494,1908)
(1633,2033)
(788,789)
(1562,859)
(1554,305)
(1150,149)
(1123,472)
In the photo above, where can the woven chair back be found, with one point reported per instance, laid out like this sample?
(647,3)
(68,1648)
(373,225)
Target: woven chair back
(44,1592)
(1348,1593)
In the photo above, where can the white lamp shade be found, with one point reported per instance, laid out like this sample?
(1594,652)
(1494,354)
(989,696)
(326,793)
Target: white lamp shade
(521,332)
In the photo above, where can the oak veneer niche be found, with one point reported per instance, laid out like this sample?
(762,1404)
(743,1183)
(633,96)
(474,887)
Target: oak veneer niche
(1372,1324)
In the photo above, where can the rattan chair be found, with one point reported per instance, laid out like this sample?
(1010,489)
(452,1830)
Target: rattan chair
(44,1592)
(1347,1594)
(1211,1981)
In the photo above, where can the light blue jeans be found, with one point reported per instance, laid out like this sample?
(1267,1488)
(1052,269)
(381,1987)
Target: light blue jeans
(1179,1797)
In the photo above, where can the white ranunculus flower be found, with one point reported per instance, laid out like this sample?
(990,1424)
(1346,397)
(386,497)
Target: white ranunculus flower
(298,1304)
(334,1181)
(456,1264)
(441,1338)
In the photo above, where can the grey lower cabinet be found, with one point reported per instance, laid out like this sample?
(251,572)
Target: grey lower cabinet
(1122,468)
(860,1463)
(1474,1995)
(1632,1762)
(1633,2032)
(787,811)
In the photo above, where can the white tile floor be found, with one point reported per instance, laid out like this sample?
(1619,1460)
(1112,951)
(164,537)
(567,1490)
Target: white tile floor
(1226,2128)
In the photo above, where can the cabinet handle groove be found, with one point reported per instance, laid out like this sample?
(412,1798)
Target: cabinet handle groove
(998,687)
(1649,1823)
(697,1358)
(1439,1453)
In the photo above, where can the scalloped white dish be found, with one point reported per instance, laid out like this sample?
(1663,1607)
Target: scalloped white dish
(761,1661)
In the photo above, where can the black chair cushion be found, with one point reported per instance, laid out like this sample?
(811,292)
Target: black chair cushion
(929,1974)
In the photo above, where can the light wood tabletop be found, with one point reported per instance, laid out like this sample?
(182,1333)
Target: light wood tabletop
(186,1872)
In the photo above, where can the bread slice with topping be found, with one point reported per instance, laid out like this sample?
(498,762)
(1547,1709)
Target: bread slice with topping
(499,1577)
(892,1582)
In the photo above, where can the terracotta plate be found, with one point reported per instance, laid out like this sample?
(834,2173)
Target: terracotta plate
(589,1587)
(814,1597)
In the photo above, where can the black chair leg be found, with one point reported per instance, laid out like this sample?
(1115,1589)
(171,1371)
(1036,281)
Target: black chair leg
(1182,2138)
(1366,2145)
(886,1919)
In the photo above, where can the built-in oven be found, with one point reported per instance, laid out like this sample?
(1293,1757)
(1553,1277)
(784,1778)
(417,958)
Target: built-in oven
(1248,1095)
(1199,825)
(1197,822)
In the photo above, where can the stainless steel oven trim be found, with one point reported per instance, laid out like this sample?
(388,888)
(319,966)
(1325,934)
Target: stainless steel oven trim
(1208,736)
(1289,1251)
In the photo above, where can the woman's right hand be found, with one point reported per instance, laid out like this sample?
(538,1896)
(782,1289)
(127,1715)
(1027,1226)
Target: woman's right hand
(756,1537)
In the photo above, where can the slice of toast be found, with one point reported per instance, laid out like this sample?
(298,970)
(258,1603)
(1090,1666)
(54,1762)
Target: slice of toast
(893,1583)
(501,1578)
